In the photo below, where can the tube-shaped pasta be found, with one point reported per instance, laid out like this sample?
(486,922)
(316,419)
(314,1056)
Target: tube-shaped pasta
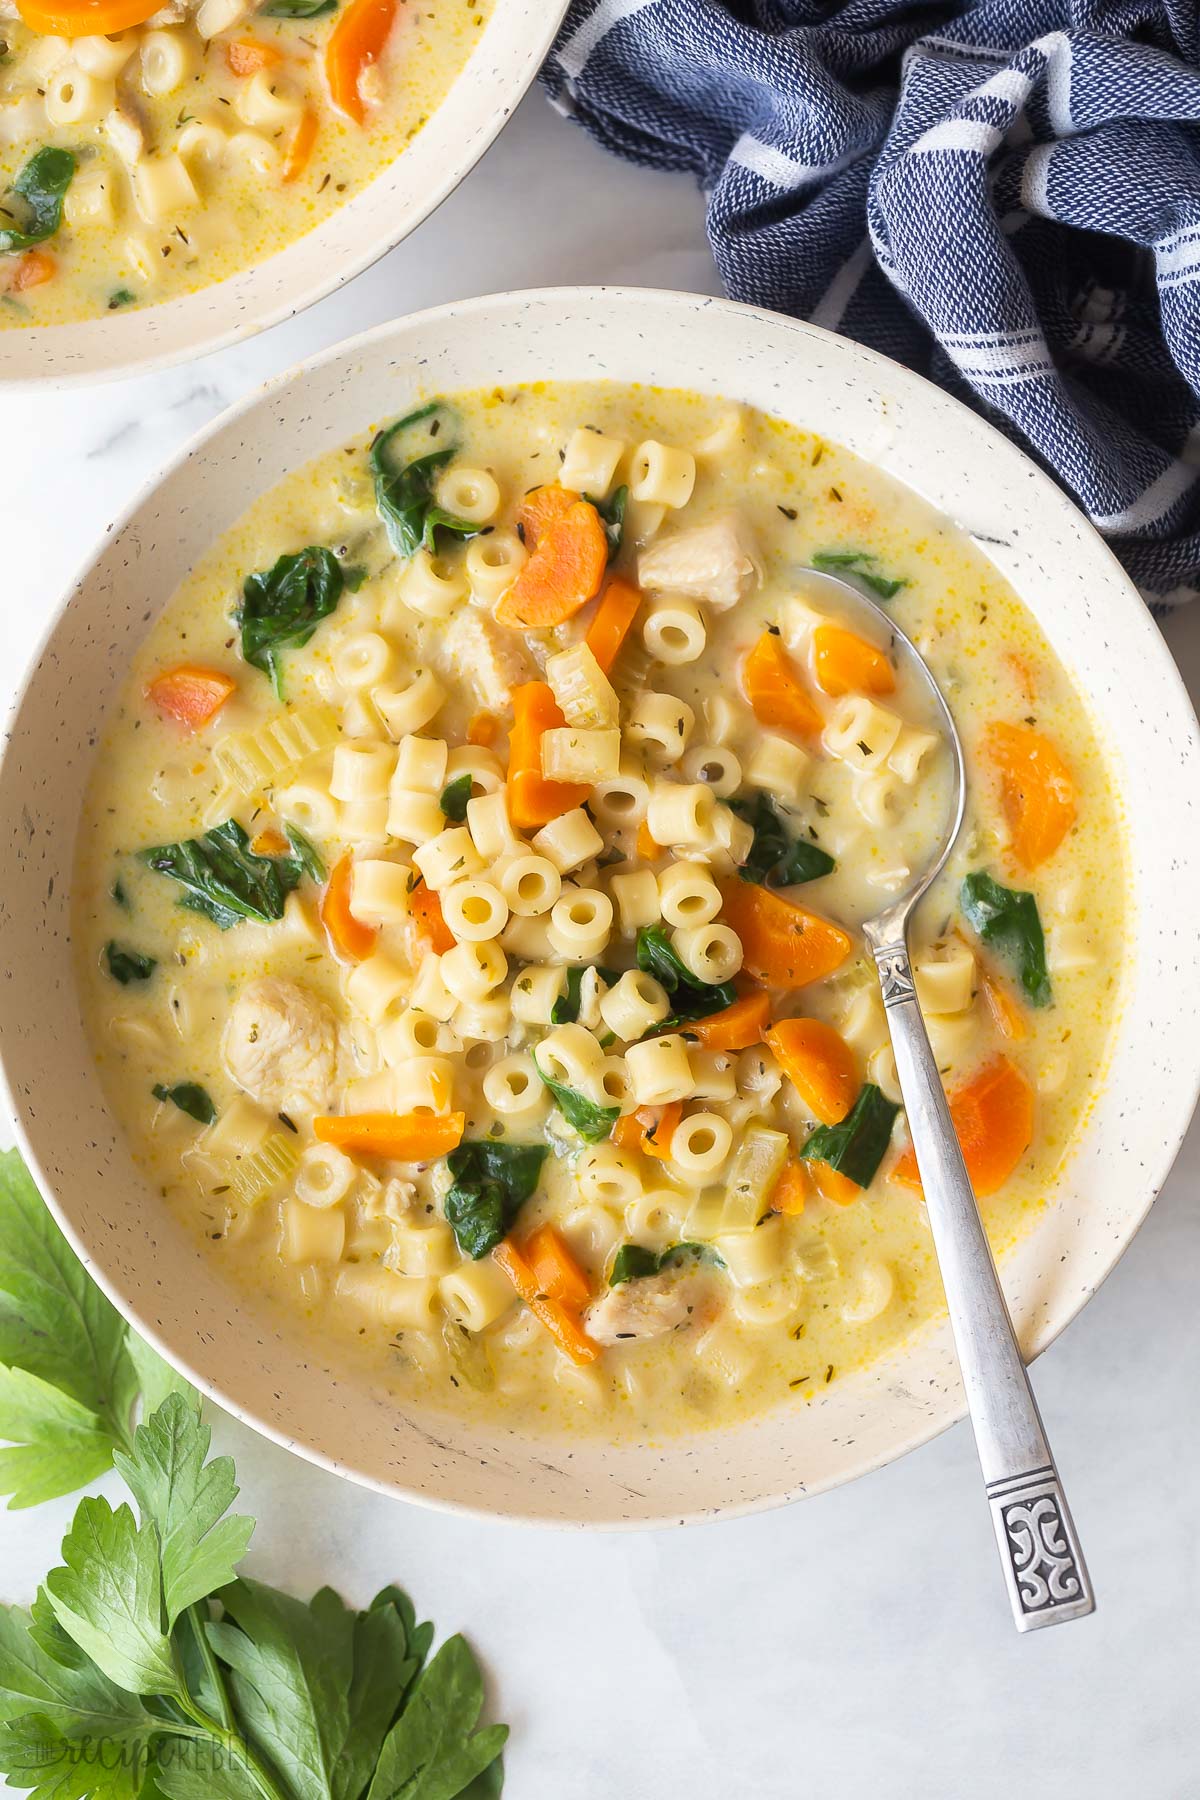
(421,764)
(570,1055)
(310,1235)
(681,814)
(492,564)
(418,1251)
(568,841)
(361,770)
(529,939)
(700,1143)
(674,632)
(324,1176)
(73,97)
(379,891)
(389,1299)
(637,901)
(607,1176)
(429,992)
(168,58)
(530,883)
(634,1005)
(482,765)
(415,1033)
(659,1071)
(589,463)
(621,801)
(477,1294)
(483,1021)
(660,723)
(251,150)
(515,1091)
(874,797)
(909,751)
(430,586)
(662,475)
(713,1075)
(408,709)
(945,979)
(474,911)
(310,806)
(470,494)
(364,821)
(534,992)
(104,56)
(363,661)
(413,818)
(266,102)
(490,827)
(688,895)
(162,188)
(752,1257)
(779,766)
(580,922)
(861,733)
(473,971)
(449,857)
(376,985)
(716,766)
(655,1217)
(91,199)
(424,1082)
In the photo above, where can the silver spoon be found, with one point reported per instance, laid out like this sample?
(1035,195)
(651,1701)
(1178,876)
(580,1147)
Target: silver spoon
(1043,1565)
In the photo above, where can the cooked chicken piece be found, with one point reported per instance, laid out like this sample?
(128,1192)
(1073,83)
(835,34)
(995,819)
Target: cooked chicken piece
(8,11)
(486,655)
(281,1046)
(642,1309)
(124,130)
(717,563)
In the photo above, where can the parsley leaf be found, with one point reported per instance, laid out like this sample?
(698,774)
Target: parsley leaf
(226,881)
(128,965)
(852,562)
(55,1443)
(190,1098)
(107,1596)
(455,796)
(41,187)
(492,1181)
(776,858)
(282,606)
(404,460)
(434,1752)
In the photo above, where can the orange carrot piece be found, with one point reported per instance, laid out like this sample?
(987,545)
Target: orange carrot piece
(246,56)
(1036,790)
(772,687)
(646,847)
(483,729)
(356,41)
(791,1190)
(430,927)
(1025,674)
(555,1269)
(993,1121)
(351,939)
(611,621)
(844,663)
(300,148)
(562,574)
(270,842)
(393,1137)
(838,1189)
(32,270)
(562,1324)
(735,1027)
(783,944)
(658,1128)
(532,800)
(820,1065)
(540,508)
(85,18)
(1005,1008)
(626,1134)
(191,694)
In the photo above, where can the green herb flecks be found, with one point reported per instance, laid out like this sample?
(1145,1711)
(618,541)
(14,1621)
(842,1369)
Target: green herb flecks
(226,881)
(125,965)
(776,858)
(121,297)
(404,461)
(491,1183)
(633,1261)
(190,1098)
(593,1123)
(857,1146)
(856,563)
(455,796)
(40,189)
(1008,920)
(282,606)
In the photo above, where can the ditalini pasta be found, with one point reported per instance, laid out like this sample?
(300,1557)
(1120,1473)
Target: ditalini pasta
(469,893)
(201,138)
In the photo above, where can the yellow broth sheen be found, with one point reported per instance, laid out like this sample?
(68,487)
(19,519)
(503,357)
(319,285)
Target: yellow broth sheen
(154,783)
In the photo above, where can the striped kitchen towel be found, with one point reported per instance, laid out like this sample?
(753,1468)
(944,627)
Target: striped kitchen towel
(1003,195)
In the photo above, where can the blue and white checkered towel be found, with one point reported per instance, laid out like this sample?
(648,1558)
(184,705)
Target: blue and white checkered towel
(1003,195)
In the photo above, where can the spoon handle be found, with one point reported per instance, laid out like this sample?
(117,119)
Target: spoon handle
(1043,1564)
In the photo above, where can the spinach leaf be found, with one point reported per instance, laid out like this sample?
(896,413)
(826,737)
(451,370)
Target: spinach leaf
(118,893)
(832,562)
(565,1010)
(305,853)
(612,517)
(593,1123)
(226,881)
(128,965)
(297,9)
(777,859)
(404,461)
(492,1181)
(454,798)
(190,1098)
(283,605)
(1008,919)
(691,999)
(632,1261)
(40,187)
(857,1146)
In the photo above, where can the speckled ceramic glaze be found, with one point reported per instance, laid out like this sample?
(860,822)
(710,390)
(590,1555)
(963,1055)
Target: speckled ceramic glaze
(158,1275)
(512,48)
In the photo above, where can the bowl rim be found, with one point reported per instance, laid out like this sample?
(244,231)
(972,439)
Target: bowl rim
(1172,1127)
(508,96)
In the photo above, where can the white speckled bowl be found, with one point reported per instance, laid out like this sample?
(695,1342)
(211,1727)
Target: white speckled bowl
(158,1274)
(512,47)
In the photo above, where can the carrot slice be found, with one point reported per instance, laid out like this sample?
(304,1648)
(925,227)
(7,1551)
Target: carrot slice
(85,18)
(658,1128)
(772,687)
(483,729)
(611,621)
(539,510)
(993,1122)
(425,912)
(563,573)
(646,847)
(301,147)
(846,664)
(532,800)
(351,939)
(270,842)
(246,56)
(783,944)
(32,270)
(555,1269)
(820,1065)
(791,1190)
(735,1027)
(1006,1010)
(394,1137)
(356,41)
(560,1321)
(1037,790)
(626,1134)
(838,1189)
(191,694)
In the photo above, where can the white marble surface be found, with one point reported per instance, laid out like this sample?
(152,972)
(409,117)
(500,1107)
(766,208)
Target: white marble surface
(858,1645)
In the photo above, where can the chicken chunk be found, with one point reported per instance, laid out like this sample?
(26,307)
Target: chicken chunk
(642,1309)
(281,1046)
(718,563)
(489,657)
(124,130)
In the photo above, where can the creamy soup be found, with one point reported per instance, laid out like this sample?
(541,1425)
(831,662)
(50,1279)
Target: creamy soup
(468,898)
(200,137)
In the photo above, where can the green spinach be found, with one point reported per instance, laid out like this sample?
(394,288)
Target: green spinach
(857,1146)
(128,965)
(856,563)
(633,1261)
(1008,920)
(404,461)
(612,517)
(226,881)
(690,999)
(455,796)
(41,187)
(297,9)
(776,858)
(593,1123)
(565,1010)
(282,606)
(190,1098)
(491,1183)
